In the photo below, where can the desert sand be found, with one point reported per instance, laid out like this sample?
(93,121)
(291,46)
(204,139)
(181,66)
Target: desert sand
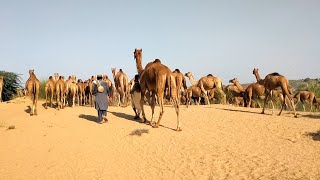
(216,142)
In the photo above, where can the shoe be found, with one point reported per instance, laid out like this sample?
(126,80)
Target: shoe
(105,118)
(101,122)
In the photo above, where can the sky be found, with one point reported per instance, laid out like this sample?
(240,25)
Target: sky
(225,38)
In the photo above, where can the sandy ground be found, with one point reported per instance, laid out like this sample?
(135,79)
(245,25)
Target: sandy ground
(217,142)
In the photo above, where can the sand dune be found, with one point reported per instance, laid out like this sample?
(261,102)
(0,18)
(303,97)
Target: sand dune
(217,142)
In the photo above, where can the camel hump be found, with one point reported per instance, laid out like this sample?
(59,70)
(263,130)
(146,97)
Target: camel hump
(50,77)
(275,74)
(120,70)
(177,70)
(157,61)
(209,75)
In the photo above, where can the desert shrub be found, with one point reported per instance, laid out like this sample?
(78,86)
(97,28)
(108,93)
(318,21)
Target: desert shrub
(12,82)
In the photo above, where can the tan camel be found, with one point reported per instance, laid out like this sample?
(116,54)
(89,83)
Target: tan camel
(49,89)
(60,92)
(155,78)
(237,98)
(89,97)
(80,96)
(180,82)
(33,86)
(273,81)
(305,96)
(71,90)
(107,80)
(195,93)
(122,85)
(210,82)
(192,80)
(1,87)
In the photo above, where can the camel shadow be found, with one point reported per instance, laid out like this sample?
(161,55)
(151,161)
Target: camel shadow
(123,116)
(53,105)
(314,135)
(238,110)
(312,116)
(89,117)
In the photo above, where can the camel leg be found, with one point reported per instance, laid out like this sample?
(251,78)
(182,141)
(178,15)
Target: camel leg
(264,103)
(176,106)
(152,105)
(142,108)
(35,105)
(283,104)
(310,105)
(304,108)
(46,106)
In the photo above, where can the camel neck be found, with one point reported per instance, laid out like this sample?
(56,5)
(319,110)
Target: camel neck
(139,65)
(238,85)
(192,80)
(258,78)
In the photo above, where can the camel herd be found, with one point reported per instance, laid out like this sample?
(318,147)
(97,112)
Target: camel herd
(160,85)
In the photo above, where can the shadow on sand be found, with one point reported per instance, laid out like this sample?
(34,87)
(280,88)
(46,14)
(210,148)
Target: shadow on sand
(89,117)
(124,116)
(313,116)
(139,132)
(28,110)
(314,135)
(238,110)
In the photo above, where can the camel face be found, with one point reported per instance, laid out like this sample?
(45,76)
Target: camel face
(255,71)
(137,53)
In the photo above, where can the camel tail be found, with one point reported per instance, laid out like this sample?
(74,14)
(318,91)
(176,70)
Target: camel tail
(314,100)
(172,86)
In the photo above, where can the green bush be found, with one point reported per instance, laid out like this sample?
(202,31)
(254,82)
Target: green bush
(42,90)
(12,82)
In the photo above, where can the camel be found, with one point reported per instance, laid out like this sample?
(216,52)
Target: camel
(207,83)
(180,82)
(71,90)
(33,86)
(60,92)
(122,85)
(192,80)
(49,89)
(1,87)
(303,96)
(273,81)
(89,97)
(155,77)
(80,95)
(195,93)
(237,97)
(210,82)
(107,80)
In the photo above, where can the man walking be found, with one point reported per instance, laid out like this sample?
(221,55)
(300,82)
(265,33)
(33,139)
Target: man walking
(101,92)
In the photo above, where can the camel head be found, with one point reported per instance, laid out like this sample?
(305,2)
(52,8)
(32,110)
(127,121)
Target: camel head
(188,74)
(137,53)
(113,70)
(31,72)
(233,80)
(255,71)
(56,76)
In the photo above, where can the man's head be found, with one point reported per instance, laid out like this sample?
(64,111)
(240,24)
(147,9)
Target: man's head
(99,77)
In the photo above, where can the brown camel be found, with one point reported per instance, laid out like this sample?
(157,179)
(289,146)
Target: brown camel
(195,93)
(180,82)
(155,78)
(122,85)
(33,85)
(60,92)
(89,97)
(273,81)
(49,89)
(305,96)
(1,87)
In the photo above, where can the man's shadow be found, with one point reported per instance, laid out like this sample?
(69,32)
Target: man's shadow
(89,117)
(124,116)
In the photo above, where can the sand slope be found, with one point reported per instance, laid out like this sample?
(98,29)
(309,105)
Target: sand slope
(217,142)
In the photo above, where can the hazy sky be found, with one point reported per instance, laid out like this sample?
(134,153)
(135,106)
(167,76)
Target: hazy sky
(225,38)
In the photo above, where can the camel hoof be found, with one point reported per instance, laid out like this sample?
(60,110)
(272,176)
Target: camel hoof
(262,113)
(155,126)
(179,129)
(296,116)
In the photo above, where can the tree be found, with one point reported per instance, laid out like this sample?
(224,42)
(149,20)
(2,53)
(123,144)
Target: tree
(12,82)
